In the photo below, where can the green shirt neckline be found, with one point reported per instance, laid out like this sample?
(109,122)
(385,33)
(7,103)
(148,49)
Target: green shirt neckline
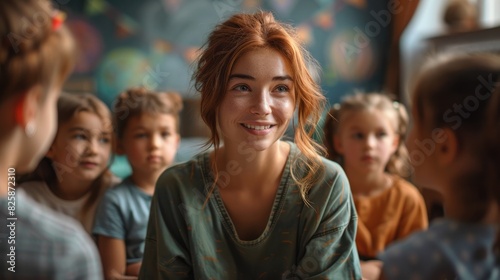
(278,203)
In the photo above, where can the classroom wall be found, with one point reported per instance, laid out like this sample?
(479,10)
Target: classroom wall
(153,43)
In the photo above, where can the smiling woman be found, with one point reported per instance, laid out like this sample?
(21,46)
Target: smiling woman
(259,102)
(255,206)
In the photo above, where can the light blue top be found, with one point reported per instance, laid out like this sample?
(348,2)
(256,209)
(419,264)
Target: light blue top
(447,250)
(43,244)
(187,241)
(123,214)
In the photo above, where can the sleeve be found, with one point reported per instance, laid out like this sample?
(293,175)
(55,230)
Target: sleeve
(331,251)
(166,253)
(109,219)
(414,213)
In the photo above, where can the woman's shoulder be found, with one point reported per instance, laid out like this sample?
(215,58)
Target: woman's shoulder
(332,168)
(331,181)
(185,174)
(331,197)
(329,172)
(199,162)
(332,172)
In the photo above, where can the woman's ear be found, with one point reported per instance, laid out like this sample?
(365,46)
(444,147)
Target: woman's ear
(26,109)
(447,150)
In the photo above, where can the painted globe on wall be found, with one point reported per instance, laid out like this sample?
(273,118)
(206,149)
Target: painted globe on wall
(120,69)
(89,43)
(352,61)
(173,73)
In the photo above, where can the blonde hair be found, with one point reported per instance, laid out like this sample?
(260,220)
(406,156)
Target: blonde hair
(31,51)
(137,101)
(396,113)
(228,42)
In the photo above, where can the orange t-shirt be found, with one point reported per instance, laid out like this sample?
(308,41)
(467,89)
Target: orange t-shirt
(388,216)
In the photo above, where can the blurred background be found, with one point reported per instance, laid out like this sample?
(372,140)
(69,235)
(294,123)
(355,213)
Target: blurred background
(367,45)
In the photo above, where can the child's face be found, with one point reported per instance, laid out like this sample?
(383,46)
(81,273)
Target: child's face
(150,142)
(259,101)
(82,147)
(366,140)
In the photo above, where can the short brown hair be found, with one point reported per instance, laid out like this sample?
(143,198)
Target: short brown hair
(137,101)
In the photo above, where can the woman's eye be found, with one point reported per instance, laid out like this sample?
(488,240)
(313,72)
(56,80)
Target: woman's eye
(282,88)
(105,140)
(140,135)
(242,88)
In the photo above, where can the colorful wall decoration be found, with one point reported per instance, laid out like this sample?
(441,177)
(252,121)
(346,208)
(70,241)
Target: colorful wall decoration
(153,43)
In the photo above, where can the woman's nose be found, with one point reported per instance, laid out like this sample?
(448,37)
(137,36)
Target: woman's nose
(261,104)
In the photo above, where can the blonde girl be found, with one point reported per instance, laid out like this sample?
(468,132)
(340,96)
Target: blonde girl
(365,134)
(74,175)
(36,56)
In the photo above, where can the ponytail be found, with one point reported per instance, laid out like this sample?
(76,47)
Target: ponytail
(399,161)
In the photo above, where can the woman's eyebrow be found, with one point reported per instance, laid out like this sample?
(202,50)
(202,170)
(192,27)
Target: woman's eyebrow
(241,76)
(248,77)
